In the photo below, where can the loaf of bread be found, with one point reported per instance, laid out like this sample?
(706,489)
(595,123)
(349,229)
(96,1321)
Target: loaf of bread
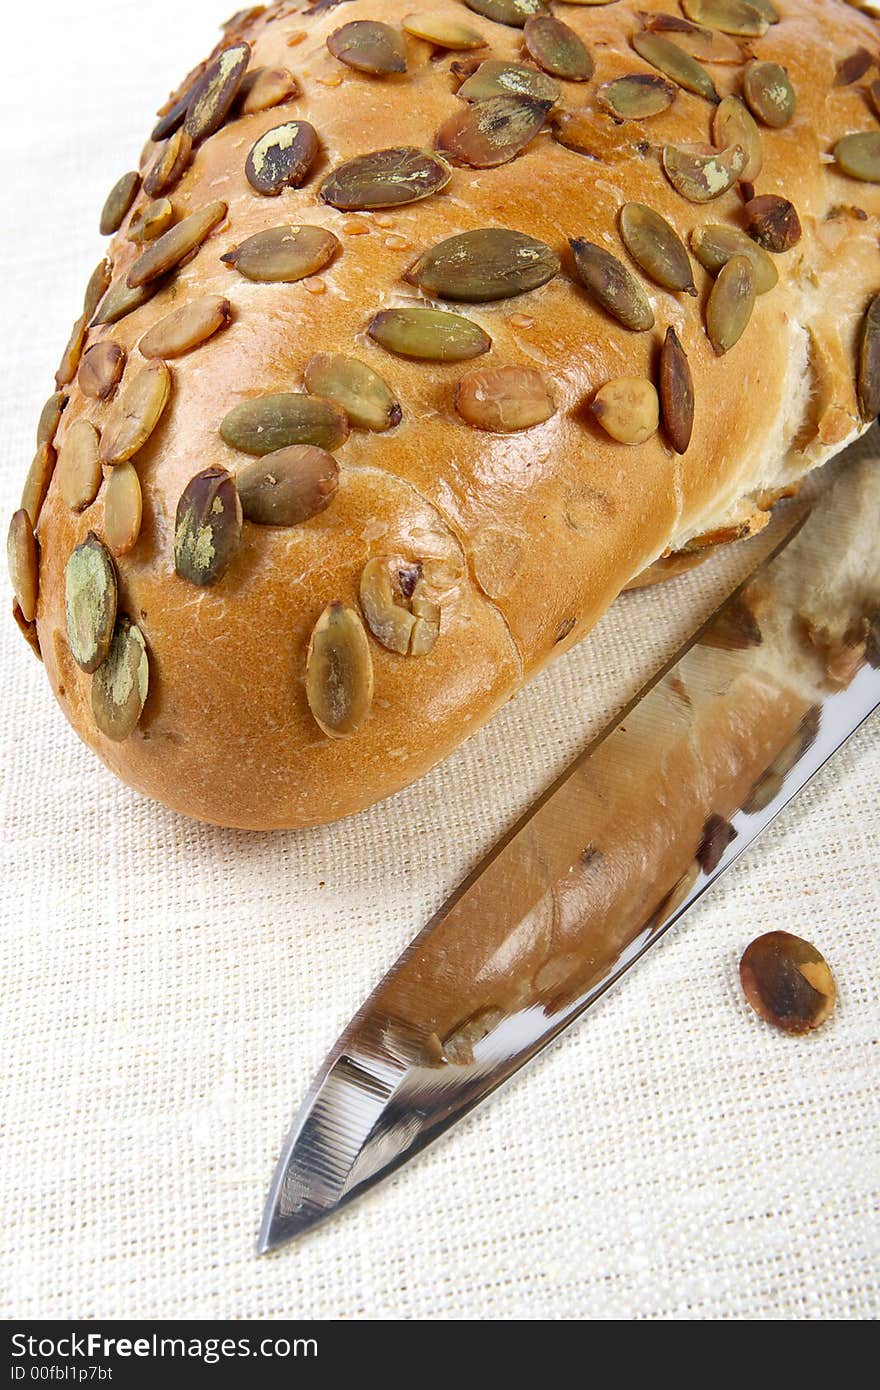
(420,336)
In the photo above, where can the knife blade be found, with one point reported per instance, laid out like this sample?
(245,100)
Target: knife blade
(608,859)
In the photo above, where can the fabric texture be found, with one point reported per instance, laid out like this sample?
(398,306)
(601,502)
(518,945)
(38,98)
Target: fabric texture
(169,989)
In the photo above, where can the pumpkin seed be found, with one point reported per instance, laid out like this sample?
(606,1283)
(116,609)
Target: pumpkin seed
(265,424)
(636,96)
(492,132)
(120,300)
(733,124)
(176,244)
(615,288)
(36,484)
(150,221)
(283,254)
(874,94)
(859,155)
(100,370)
(90,600)
(243,18)
(27,630)
(172,118)
(787,982)
(700,173)
(72,353)
(99,284)
(768,92)
(442,31)
(23,561)
(123,508)
(684,70)
(339,672)
(851,68)
(79,471)
(119,200)
(396,606)
(504,399)
(628,409)
(135,413)
(50,418)
(366,399)
(487,264)
(265,88)
(773,222)
(496,79)
(706,45)
(187,327)
(215,92)
(119,686)
(730,16)
(207,529)
(289,486)
(367,45)
(869,362)
(730,304)
(557,48)
(676,393)
(767,9)
(656,247)
(432,334)
(169,165)
(282,157)
(385,179)
(512,12)
(713,247)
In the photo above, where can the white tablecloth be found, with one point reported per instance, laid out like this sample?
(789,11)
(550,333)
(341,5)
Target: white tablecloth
(169,989)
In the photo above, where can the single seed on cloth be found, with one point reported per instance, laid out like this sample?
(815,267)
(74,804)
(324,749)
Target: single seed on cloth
(483,265)
(492,132)
(90,595)
(628,409)
(123,508)
(773,222)
(288,486)
(713,246)
(385,179)
(99,284)
(339,672)
(512,12)
(656,247)
(504,399)
(730,16)
(79,469)
(150,221)
(119,686)
(676,393)
(443,31)
(787,982)
(23,563)
(265,88)
(859,155)
(36,484)
(674,63)
(120,300)
(733,124)
(135,413)
(369,46)
(397,609)
(730,303)
(119,200)
(700,173)
(706,45)
(50,418)
(869,362)
(175,244)
(101,369)
(207,529)
(636,96)
(769,94)
(282,157)
(612,286)
(494,78)
(851,68)
(187,327)
(556,48)
(169,165)
(215,92)
(70,358)
(266,423)
(366,399)
(283,254)
(432,334)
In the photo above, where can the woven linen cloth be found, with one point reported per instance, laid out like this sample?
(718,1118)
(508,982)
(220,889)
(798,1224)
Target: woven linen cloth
(169,989)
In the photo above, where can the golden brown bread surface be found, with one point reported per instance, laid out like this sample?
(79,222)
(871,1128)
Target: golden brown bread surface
(537,530)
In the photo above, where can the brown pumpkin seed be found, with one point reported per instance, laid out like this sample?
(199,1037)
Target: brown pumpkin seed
(150,221)
(207,529)
(395,603)
(487,264)
(385,179)
(700,173)
(787,982)
(79,471)
(492,132)
(50,418)
(851,68)
(512,12)
(706,45)
(628,409)
(557,48)
(282,157)
(504,399)
(730,303)
(187,327)
(442,31)
(869,362)
(367,45)
(23,561)
(169,165)
(119,686)
(713,247)
(119,200)
(366,399)
(176,244)
(339,672)
(123,508)
(215,92)
(733,124)
(27,630)
(676,393)
(730,16)
(100,370)
(242,19)
(265,424)
(773,222)
(432,334)
(769,94)
(289,486)
(496,79)
(859,155)
(673,62)
(265,88)
(120,300)
(636,96)
(72,353)
(135,413)
(615,288)
(283,254)
(656,247)
(36,484)
(99,284)
(90,600)
(172,119)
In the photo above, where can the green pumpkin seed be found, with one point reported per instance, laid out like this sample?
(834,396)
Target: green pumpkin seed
(432,334)
(615,288)
(72,353)
(851,68)
(79,470)
(496,79)
(869,362)
(265,424)
(207,529)
(23,561)
(767,9)
(730,304)
(119,686)
(366,399)
(487,264)
(773,222)
(90,600)
(367,45)
(36,484)
(282,157)
(187,327)
(713,247)
(215,92)
(135,413)
(99,284)
(699,173)
(706,45)
(119,200)
(730,16)
(151,221)
(283,254)
(676,393)
(557,48)
(656,247)
(442,31)
(101,369)
(170,165)
(769,94)
(503,399)
(636,96)
(123,508)
(492,132)
(289,486)
(512,12)
(733,124)
(50,418)
(176,244)
(339,672)
(385,179)
(684,70)
(859,155)
(120,300)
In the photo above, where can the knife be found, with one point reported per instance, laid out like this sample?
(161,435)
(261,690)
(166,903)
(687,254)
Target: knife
(607,860)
